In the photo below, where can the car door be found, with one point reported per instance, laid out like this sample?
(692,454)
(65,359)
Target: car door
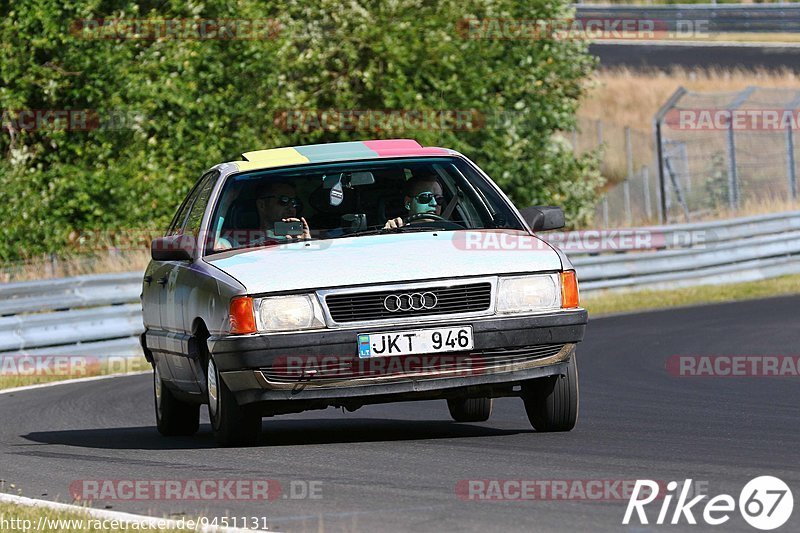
(155,279)
(180,280)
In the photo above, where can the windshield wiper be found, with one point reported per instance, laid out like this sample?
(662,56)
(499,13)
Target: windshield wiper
(382,231)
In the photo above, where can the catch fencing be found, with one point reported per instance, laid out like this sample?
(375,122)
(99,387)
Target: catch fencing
(100,315)
(727,151)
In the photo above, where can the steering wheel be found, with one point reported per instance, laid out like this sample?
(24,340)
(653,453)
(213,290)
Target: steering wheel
(424,216)
(434,220)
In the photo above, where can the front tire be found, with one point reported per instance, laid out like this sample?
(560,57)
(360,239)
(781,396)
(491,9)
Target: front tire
(470,409)
(233,425)
(552,402)
(173,417)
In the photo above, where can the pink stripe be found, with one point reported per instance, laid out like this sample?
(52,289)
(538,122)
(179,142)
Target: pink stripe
(401,147)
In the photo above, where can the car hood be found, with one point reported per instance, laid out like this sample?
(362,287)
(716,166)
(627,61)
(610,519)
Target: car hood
(388,258)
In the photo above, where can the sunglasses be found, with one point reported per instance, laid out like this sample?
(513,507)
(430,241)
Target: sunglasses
(428,197)
(285,201)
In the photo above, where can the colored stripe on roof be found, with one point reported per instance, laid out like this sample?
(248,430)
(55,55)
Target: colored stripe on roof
(277,157)
(397,147)
(344,151)
(337,151)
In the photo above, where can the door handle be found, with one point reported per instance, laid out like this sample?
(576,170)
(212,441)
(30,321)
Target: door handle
(148,278)
(162,281)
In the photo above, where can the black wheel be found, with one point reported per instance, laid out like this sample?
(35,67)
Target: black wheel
(232,424)
(552,402)
(470,409)
(173,417)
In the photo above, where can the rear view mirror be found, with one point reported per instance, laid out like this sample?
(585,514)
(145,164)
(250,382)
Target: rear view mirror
(173,248)
(543,217)
(359,179)
(348,180)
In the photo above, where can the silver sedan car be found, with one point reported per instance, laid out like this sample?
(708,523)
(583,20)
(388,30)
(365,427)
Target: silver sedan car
(348,274)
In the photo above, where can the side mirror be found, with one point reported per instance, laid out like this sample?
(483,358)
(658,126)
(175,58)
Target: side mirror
(543,217)
(173,248)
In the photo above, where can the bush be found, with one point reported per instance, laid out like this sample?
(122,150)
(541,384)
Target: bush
(189,104)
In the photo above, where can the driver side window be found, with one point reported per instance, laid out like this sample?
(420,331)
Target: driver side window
(186,211)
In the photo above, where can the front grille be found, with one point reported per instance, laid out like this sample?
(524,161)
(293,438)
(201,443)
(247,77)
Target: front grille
(330,369)
(370,305)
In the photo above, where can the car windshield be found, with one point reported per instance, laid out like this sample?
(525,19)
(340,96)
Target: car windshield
(352,199)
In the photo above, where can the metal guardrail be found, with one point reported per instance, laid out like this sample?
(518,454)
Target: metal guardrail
(722,18)
(100,315)
(69,293)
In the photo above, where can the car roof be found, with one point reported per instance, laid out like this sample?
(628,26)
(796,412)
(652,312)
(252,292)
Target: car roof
(331,152)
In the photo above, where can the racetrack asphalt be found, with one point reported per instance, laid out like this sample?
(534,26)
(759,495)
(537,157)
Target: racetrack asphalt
(395,467)
(704,55)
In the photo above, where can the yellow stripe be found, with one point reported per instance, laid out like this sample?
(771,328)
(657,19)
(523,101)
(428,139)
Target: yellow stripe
(272,158)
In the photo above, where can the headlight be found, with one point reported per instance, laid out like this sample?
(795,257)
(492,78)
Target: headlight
(288,313)
(521,294)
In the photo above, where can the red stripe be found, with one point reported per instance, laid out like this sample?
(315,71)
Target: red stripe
(401,147)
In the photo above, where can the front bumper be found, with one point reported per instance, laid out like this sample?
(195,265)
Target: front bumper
(548,340)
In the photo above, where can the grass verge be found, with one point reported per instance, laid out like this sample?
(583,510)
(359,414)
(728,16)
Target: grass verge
(621,302)
(26,518)
(19,372)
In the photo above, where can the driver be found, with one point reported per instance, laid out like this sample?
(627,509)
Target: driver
(278,201)
(275,201)
(423,195)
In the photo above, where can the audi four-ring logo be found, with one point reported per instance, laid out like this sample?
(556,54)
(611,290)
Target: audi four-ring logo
(415,301)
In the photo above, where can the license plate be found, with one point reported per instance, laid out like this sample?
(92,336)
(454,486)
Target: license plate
(415,342)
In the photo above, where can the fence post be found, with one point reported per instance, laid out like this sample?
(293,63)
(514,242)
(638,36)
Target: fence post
(733,177)
(790,162)
(605,212)
(626,197)
(668,105)
(648,208)
(733,180)
(628,152)
(626,186)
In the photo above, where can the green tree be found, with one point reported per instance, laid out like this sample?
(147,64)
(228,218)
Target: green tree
(189,104)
